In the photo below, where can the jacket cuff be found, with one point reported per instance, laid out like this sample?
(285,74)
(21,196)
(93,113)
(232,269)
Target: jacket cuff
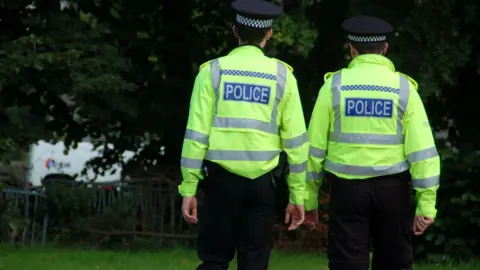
(311,203)
(429,212)
(187,190)
(297,197)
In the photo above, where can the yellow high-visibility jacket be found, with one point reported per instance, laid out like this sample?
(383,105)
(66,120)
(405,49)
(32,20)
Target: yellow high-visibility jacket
(369,121)
(245,109)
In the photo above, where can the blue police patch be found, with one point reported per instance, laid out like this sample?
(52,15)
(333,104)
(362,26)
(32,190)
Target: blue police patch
(368,107)
(246,92)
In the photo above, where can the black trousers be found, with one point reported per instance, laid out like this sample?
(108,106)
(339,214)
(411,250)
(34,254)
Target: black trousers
(237,215)
(376,213)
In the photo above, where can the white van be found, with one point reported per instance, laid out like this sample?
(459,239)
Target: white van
(48,161)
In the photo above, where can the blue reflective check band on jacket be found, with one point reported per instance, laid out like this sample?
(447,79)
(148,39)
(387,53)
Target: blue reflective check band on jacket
(227,122)
(244,73)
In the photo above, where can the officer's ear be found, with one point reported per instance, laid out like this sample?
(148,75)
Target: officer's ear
(353,52)
(235,31)
(385,48)
(269,34)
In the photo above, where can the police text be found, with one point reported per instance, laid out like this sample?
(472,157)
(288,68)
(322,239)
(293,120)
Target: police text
(368,107)
(246,92)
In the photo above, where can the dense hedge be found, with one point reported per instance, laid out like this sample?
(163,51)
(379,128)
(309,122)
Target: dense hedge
(456,229)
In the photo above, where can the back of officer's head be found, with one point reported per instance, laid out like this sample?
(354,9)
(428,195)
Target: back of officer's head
(253,36)
(253,21)
(367,35)
(357,49)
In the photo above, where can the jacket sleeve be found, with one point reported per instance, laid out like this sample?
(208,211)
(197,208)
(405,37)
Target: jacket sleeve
(195,143)
(422,155)
(293,133)
(318,131)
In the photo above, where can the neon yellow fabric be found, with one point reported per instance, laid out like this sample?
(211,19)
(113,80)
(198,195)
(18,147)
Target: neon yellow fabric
(418,139)
(285,64)
(293,126)
(211,117)
(319,124)
(361,160)
(200,120)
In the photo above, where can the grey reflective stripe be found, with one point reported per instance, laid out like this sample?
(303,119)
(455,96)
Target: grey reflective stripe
(215,72)
(337,125)
(366,170)
(242,155)
(317,152)
(280,90)
(366,138)
(227,122)
(312,176)
(295,142)
(191,163)
(426,182)
(338,136)
(196,136)
(298,168)
(422,155)
(244,123)
(403,96)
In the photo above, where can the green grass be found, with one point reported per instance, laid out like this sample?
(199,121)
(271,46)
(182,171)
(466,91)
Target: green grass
(64,259)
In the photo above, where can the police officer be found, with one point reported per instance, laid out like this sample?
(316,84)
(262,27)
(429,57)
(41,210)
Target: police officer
(245,109)
(370,133)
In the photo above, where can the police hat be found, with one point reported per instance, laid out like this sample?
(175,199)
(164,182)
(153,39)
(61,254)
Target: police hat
(366,29)
(257,14)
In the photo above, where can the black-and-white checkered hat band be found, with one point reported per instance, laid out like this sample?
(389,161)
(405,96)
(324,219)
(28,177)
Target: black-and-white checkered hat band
(254,23)
(367,39)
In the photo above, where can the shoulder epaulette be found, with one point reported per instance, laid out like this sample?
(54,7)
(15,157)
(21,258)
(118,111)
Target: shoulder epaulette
(329,74)
(285,64)
(415,84)
(204,64)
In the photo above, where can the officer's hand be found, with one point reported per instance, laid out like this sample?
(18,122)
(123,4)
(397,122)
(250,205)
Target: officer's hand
(420,224)
(311,219)
(295,215)
(189,209)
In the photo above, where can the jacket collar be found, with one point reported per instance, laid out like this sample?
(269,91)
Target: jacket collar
(247,49)
(371,59)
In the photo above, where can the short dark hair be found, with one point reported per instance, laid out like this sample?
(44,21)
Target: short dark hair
(369,48)
(251,35)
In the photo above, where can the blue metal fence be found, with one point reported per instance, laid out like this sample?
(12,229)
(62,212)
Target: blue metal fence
(155,212)
(22,220)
